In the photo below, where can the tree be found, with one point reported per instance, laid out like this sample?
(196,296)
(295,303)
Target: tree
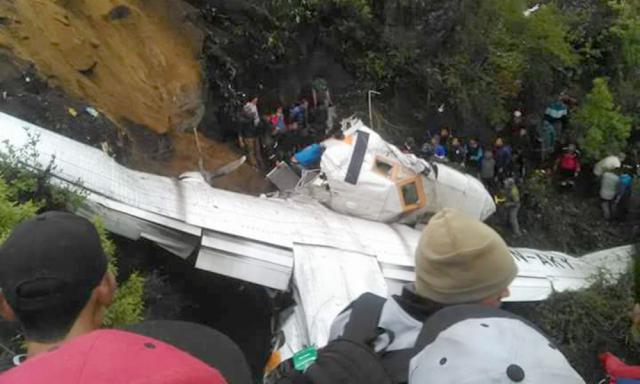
(603,129)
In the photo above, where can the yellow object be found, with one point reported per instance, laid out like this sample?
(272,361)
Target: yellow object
(72,112)
(274,360)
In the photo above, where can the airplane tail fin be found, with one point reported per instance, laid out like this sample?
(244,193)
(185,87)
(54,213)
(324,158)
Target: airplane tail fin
(615,260)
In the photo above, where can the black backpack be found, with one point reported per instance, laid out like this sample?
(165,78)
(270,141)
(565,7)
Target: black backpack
(363,324)
(352,358)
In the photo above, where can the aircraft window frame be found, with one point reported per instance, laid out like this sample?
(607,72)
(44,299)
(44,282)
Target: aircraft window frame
(392,164)
(419,185)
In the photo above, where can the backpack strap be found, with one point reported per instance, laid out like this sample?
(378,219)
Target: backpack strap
(362,326)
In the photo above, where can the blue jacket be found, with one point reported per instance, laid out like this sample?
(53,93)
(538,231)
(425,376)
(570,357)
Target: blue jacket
(309,156)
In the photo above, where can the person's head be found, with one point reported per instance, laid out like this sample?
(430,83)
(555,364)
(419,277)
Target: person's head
(499,142)
(444,133)
(460,259)
(279,111)
(509,182)
(435,140)
(54,277)
(473,143)
(455,142)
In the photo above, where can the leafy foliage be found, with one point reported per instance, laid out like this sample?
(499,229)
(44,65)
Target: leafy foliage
(500,53)
(626,30)
(128,305)
(585,322)
(604,129)
(29,180)
(12,213)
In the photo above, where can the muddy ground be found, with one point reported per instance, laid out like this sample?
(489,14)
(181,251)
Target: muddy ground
(25,95)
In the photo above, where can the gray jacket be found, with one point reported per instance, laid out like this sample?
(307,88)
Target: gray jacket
(608,185)
(488,169)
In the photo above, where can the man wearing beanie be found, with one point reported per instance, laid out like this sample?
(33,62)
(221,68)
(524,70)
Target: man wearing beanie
(459,260)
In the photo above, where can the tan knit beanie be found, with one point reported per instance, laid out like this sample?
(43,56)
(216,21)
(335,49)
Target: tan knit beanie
(461,260)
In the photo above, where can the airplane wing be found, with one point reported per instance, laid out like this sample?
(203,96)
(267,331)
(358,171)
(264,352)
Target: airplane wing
(270,242)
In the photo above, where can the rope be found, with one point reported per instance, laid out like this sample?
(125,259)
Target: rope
(199,147)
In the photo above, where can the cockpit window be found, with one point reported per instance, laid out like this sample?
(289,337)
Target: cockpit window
(384,167)
(409,185)
(410,194)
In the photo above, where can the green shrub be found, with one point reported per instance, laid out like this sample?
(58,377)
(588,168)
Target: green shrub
(128,304)
(29,180)
(12,213)
(498,56)
(586,322)
(603,129)
(626,32)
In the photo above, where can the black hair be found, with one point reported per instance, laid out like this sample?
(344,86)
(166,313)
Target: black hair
(54,321)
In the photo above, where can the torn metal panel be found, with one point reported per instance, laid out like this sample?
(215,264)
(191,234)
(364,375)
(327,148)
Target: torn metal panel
(179,243)
(244,268)
(343,276)
(246,259)
(248,248)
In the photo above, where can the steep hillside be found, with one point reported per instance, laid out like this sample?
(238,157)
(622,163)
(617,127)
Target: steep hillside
(137,61)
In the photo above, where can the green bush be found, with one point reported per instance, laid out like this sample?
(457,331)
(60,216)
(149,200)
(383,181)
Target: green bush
(626,32)
(587,322)
(603,129)
(12,213)
(128,304)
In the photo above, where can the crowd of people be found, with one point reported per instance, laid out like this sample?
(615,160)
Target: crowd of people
(269,137)
(503,163)
(445,327)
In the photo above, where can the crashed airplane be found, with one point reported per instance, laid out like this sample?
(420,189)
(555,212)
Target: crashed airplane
(366,177)
(295,244)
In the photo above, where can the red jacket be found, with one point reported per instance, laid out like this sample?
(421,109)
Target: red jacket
(616,369)
(569,162)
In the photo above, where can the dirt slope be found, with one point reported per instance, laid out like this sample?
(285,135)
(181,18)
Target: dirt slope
(135,60)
